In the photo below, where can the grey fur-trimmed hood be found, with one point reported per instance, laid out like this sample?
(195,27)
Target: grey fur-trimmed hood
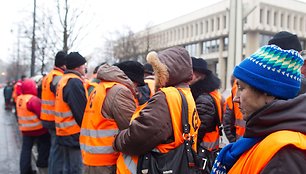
(171,66)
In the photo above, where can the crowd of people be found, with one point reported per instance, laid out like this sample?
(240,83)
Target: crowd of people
(166,116)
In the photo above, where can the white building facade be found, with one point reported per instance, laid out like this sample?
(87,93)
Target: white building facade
(205,33)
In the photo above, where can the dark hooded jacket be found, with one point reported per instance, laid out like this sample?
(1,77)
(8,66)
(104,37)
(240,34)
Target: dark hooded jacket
(276,116)
(119,102)
(206,106)
(172,67)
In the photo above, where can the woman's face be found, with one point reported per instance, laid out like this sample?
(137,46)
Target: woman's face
(249,99)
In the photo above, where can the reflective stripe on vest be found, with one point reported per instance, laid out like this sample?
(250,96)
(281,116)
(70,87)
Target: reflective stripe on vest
(97,133)
(47,96)
(63,114)
(27,120)
(65,123)
(256,159)
(127,164)
(211,139)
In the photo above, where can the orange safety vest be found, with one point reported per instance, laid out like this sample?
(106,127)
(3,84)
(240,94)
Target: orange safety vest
(48,97)
(151,84)
(127,164)
(65,123)
(256,159)
(239,121)
(174,102)
(211,139)
(98,132)
(27,120)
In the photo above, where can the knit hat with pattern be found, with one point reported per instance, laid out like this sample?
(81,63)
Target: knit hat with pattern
(272,70)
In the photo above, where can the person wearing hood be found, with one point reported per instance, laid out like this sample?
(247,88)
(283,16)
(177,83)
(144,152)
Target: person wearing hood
(70,103)
(158,125)
(205,90)
(28,107)
(275,137)
(109,109)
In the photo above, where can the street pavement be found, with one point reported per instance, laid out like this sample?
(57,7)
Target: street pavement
(10,140)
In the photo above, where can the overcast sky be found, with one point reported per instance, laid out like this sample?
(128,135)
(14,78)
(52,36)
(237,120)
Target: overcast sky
(110,15)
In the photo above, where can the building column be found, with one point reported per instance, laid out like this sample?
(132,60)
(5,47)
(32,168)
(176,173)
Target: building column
(235,39)
(221,65)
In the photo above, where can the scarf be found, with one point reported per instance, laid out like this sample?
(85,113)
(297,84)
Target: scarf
(231,153)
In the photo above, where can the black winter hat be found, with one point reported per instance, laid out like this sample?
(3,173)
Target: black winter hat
(74,59)
(60,59)
(200,65)
(134,70)
(286,41)
(148,68)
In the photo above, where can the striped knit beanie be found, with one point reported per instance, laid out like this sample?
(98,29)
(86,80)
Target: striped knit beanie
(272,70)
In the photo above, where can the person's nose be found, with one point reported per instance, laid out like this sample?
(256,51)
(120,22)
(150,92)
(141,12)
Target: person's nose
(236,99)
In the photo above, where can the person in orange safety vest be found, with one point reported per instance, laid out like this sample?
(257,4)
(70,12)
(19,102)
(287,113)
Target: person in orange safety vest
(158,125)
(274,141)
(204,87)
(28,107)
(70,103)
(49,84)
(109,109)
(233,123)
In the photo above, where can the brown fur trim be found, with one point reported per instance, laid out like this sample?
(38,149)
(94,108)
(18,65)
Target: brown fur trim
(160,70)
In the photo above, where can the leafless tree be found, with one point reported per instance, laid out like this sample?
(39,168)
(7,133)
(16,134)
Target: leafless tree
(126,46)
(73,22)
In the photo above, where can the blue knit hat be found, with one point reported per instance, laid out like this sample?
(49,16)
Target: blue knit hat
(272,70)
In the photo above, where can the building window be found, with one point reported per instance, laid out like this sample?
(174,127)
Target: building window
(192,48)
(244,40)
(282,20)
(191,30)
(301,24)
(196,29)
(268,17)
(218,23)
(201,28)
(213,46)
(261,16)
(294,22)
(217,45)
(264,39)
(206,47)
(187,31)
(212,25)
(206,26)
(288,21)
(275,19)
(225,44)
(224,21)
